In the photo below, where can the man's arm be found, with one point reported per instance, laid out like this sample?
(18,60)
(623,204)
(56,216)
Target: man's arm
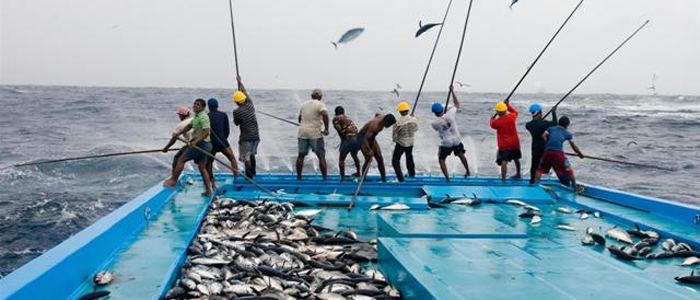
(513,112)
(554,116)
(227,130)
(324,114)
(573,145)
(545,135)
(205,134)
(241,87)
(454,96)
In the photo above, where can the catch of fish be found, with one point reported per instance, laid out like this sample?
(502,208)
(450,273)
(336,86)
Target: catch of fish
(264,250)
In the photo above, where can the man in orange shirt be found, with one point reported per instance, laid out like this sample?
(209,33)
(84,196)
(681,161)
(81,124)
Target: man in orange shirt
(507,135)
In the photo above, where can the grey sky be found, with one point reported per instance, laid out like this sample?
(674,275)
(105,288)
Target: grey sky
(286,44)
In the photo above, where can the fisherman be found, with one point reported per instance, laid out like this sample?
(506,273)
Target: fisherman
(200,127)
(537,127)
(184,114)
(244,117)
(313,125)
(370,147)
(507,135)
(403,135)
(219,139)
(347,131)
(554,156)
(450,139)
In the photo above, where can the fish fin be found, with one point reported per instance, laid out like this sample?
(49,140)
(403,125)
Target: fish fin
(335,45)
(420,23)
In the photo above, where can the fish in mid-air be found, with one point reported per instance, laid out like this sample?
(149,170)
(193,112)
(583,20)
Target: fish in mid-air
(513,3)
(348,36)
(423,28)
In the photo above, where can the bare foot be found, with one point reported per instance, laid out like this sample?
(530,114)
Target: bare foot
(214,187)
(207,193)
(356,174)
(170,183)
(579,189)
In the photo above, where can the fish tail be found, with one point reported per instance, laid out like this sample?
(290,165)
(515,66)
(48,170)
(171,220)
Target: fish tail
(335,45)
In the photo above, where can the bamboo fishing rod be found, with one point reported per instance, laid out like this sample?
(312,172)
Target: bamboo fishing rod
(542,52)
(427,68)
(253,182)
(359,185)
(233,35)
(620,162)
(459,53)
(596,68)
(88,157)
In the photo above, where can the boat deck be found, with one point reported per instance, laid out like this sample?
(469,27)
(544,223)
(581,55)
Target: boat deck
(456,252)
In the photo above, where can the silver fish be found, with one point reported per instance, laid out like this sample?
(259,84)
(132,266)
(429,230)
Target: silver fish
(396,206)
(348,36)
(693,260)
(516,202)
(565,210)
(536,219)
(566,227)
(619,235)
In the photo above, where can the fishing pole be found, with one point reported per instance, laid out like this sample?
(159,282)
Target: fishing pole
(427,68)
(88,157)
(233,34)
(542,52)
(278,118)
(596,68)
(253,182)
(620,162)
(359,186)
(459,53)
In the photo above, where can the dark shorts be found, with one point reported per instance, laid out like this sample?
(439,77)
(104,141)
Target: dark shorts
(220,147)
(444,152)
(246,149)
(315,145)
(508,155)
(555,160)
(350,145)
(196,155)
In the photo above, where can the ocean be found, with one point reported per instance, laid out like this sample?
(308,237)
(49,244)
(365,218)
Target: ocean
(40,206)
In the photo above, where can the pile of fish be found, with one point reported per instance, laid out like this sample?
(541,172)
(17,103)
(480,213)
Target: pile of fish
(264,250)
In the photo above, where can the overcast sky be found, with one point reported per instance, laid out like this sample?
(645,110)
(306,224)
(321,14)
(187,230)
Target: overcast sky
(286,44)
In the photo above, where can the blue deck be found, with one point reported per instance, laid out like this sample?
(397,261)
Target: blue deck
(458,252)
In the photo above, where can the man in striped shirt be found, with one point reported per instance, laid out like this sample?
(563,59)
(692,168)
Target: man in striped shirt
(244,117)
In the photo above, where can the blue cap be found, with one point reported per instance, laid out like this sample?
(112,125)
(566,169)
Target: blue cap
(535,108)
(213,103)
(437,108)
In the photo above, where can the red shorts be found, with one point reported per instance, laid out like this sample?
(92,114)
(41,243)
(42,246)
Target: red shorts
(555,160)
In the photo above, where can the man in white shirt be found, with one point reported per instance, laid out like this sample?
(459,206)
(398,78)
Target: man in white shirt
(184,114)
(404,137)
(450,139)
(313,125)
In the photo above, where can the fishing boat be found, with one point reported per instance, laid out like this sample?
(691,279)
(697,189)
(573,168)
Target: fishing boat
(427,251)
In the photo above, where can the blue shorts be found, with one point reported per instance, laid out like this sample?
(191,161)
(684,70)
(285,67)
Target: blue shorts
(196,155)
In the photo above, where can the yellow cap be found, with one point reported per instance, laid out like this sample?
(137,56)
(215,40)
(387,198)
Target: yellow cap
(238,97)
(501,107)
(403,106)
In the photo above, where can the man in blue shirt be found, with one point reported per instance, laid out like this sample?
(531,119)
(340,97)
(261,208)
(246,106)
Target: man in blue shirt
(219,139)
(554,156)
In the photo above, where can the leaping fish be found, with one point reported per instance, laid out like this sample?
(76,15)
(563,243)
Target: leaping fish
(423,28)
(348,36)
(513,3)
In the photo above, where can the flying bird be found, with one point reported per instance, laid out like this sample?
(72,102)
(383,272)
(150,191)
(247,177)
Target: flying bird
(396,91)
(348,36)
(423,28)
(463,84)
(398,86)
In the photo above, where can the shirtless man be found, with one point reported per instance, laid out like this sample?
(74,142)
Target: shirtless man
(370,147)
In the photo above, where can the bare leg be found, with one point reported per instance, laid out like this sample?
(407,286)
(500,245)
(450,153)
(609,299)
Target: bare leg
(465,163)
(179,166)
(380,160)
(504,170)
(300,164)
(324,168)
(205,175)
(572,177)
(443,167)
(538,176)
(210,169)
(253,166)
(228,152)
(517,169)
(356,160)
(341,165)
